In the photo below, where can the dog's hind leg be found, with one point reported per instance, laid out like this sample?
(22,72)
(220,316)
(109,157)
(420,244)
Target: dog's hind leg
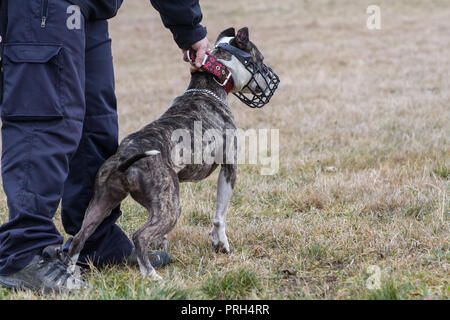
(97,211)
(227,178)
(161,243)
(161,198)
(106,198)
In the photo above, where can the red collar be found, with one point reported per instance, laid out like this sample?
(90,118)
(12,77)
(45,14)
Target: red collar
(221,73)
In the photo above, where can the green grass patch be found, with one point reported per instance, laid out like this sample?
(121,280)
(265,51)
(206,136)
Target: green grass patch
(170,293)
(388,291)
(114,283)
(315,251)
(231,285)
(198,218)
(4,293)
(442,171)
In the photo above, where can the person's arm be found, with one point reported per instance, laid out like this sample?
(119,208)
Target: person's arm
(182,18)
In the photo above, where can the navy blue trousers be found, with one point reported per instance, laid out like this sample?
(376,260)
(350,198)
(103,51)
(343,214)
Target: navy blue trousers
(59,124)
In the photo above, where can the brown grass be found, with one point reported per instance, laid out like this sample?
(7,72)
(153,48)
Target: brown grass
(372,104)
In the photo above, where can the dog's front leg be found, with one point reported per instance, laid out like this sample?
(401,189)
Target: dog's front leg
(225,185)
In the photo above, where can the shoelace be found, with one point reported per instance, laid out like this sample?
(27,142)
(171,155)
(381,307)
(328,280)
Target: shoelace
(57,267)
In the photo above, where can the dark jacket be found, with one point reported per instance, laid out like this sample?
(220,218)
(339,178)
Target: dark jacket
(182,17)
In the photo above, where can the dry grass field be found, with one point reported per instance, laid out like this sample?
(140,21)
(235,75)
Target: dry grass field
(364,156)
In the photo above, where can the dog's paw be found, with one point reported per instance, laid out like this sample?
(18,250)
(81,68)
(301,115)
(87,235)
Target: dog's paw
(222,247)
(219,240)
(155,276)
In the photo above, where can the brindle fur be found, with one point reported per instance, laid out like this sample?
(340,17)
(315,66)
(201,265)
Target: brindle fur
(153,181)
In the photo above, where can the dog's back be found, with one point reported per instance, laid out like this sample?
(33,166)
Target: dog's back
(189,117)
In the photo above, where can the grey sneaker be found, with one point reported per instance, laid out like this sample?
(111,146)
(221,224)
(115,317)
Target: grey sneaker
(47,272)
(158,259)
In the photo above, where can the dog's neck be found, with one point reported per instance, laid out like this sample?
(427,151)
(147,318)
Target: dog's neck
(204,80)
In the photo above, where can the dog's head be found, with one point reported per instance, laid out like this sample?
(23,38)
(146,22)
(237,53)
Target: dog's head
(254,81)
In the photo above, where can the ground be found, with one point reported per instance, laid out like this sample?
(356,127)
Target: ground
(363,184)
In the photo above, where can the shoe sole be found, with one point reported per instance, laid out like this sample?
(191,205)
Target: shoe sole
(15,284)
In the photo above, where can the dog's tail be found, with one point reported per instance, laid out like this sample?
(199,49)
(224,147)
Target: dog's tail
(128,163)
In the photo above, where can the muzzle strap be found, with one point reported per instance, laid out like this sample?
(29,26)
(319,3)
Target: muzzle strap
(222,75)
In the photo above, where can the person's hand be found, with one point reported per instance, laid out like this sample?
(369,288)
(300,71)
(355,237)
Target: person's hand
(201,48)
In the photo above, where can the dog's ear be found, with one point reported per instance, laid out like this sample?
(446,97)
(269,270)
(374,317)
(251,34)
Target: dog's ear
(230,32)
(242,38)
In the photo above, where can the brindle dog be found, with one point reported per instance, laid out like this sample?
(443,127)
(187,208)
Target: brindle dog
(143,166)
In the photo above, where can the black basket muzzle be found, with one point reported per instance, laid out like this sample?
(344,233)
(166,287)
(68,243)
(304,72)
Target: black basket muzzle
(263,83)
